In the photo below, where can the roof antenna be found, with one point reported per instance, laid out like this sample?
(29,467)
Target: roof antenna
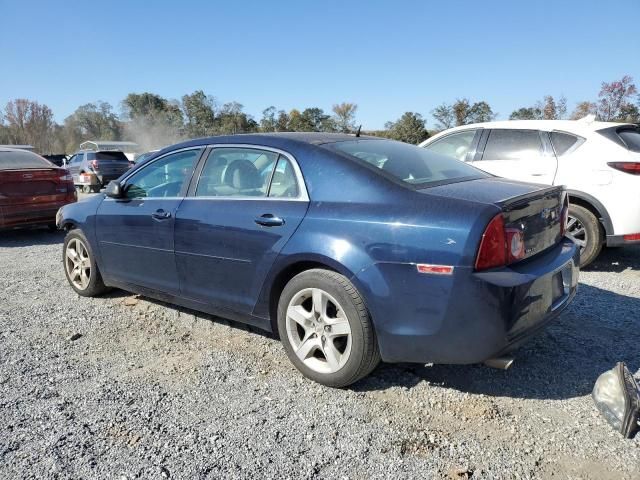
(358,130)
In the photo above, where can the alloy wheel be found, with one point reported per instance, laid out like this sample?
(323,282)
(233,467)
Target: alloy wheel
(318,330)
(577,232)
(78,264)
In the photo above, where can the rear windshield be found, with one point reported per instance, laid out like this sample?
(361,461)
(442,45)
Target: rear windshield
(631,138)
(108,156)
(19,159)
(412,165)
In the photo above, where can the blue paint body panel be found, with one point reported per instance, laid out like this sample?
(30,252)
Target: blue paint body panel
(210,254)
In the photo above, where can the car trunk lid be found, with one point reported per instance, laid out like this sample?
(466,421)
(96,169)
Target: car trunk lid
(536,211)
(22,186)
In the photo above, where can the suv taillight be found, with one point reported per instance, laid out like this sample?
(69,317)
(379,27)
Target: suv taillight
(499,246)
(627,167)
(94,164)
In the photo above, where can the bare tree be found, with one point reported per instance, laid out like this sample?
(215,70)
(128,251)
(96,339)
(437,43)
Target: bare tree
(615,97)
(29,122)
(345,116)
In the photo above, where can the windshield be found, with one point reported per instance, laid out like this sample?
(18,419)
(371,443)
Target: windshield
(19,159)
(408,163)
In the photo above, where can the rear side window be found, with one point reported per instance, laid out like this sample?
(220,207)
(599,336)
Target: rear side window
(408,163)
(456,145)
(563,142)
(18,159)
(111,156)
(513,145)
(631,138)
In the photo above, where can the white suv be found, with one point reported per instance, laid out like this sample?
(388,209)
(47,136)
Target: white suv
(598,162)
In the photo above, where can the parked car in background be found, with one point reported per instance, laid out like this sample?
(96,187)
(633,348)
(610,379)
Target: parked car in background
(32,189)
(351,248)
(598,162)
(58,159)
(92,170)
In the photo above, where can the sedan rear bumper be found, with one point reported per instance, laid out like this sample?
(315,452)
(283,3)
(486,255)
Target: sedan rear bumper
(469,317)
(30,214)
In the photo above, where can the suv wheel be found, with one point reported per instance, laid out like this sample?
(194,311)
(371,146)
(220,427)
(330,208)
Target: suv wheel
(325,328)
(584,228)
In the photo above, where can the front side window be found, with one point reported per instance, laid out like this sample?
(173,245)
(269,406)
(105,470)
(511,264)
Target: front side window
(455,145)
(164,177)
(410,164)
(513,145)
(236,172)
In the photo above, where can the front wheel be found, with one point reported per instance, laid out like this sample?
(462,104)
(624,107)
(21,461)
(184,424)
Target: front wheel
(325,328)
(80,265)
(584,228)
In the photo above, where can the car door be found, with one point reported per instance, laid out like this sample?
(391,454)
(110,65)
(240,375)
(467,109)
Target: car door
(518,154)
(245,205)
(136,233)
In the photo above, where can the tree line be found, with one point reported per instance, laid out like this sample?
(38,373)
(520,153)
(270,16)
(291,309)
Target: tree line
(153,121)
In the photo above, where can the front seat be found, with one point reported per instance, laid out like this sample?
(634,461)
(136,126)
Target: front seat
(243,176)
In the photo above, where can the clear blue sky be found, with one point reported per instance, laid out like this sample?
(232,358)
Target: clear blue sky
(388,57)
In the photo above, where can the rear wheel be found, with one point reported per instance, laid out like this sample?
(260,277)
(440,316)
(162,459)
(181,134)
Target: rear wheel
(80,265)
(325,328)
(584,228)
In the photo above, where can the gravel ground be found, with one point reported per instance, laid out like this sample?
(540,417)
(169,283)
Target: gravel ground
(124,387)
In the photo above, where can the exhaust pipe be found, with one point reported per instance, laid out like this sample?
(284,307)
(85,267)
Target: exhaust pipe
(502,363)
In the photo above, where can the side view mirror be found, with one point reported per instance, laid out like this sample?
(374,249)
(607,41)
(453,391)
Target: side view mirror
(617,397)
(114,189)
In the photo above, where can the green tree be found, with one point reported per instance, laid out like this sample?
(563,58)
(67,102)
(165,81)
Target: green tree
(268,122)
(233,120)
(345,116)
(526,113)
(462,112)
(409,128)
(199,114)
(95,121)
(152,121)
(282,122)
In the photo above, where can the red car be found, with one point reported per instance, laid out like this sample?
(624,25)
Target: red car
(32,189)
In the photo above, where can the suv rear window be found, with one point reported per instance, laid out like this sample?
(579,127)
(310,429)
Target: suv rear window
(631,138)
(19,159)
(410,164)
(108,156)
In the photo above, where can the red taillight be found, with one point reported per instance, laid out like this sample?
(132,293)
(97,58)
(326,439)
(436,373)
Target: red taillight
(628,167)
(632,237)
(515,245)
(94,164)
(493,246)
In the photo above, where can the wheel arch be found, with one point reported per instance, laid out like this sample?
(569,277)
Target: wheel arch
(284,273)
(594,206)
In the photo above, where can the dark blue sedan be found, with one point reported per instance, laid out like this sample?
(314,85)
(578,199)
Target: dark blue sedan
(352,249)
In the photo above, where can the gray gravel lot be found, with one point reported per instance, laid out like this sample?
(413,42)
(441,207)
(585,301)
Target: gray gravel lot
(153,391)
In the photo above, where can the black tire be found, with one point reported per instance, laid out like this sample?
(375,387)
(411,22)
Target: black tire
(364,354)
(95,286)
(590,236)
(95,188)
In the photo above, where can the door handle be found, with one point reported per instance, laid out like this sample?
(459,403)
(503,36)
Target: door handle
(269,220)
(161,215)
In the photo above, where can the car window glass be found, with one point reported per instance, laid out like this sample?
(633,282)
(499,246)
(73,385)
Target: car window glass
(513,145)
(236,172)
(283,181)
(562,142)
(164,177)
(631,138)
(411,164)
(455,145)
